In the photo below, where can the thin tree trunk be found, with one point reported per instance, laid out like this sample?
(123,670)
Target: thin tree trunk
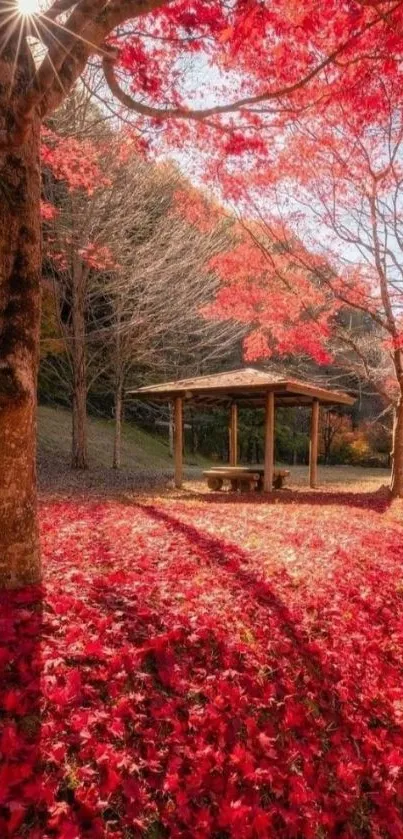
(79,457)
(397,452)
(20,271)
(194,437)
(119,381)
(171,430)
(294,449)
(117,443)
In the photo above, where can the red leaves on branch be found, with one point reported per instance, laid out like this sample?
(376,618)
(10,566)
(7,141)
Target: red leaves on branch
(77,164)
(98,256)
(48,211)
(72,160)
(170,682)
(267,289)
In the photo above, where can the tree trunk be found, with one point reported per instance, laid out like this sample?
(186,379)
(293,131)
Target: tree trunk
(119,383)
(79,458)
(117,443)
(194,437)
(294,449)
(397,452)
(171,430)
(20,271)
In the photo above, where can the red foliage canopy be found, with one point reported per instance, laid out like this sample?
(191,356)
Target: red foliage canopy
(266,288)
(246,59)
(230,81)
(345,48)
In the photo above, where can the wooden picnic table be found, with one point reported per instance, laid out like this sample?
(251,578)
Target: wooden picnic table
(244,478)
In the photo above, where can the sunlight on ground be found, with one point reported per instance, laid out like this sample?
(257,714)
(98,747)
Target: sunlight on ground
(330,479)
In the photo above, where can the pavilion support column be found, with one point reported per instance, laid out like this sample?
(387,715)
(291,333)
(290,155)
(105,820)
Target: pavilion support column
(314,445)
(178,440)
(233,436)
(269,444)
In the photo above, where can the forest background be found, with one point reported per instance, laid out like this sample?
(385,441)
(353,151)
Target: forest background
(149,277)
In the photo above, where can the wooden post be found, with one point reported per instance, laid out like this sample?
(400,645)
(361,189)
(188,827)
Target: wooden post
(178,440)
(269,444)
(313,446)
(233,436)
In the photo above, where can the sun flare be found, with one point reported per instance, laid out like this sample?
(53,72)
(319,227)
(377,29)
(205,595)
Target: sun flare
(28,7)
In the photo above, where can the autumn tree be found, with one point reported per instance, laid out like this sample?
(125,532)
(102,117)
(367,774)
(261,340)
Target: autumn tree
(333,423)
(77,226)
(161,284)
(141,45)
(345,178)
(129,271)
(354,181)
(266,286)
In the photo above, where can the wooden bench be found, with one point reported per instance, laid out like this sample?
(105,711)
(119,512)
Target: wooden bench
(244,478)
(279,478)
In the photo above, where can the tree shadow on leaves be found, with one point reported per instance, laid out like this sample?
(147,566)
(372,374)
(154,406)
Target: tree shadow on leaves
(209,709)
(378,501)
(347,775)
(22,805)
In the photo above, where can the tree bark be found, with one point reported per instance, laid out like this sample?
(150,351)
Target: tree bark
(20,271)
(79,457)
(397,452)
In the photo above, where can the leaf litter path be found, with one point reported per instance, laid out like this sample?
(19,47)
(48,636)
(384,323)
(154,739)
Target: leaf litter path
(207,668)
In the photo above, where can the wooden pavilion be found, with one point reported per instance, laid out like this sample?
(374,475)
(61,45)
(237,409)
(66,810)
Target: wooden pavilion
(250,388)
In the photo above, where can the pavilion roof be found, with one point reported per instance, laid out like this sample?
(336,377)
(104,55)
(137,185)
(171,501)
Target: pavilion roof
(246,386)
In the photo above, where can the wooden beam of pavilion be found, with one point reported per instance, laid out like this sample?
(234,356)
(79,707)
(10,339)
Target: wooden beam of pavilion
(269,444)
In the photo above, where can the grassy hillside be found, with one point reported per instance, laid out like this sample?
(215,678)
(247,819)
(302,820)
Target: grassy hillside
(138,448)
(145,458)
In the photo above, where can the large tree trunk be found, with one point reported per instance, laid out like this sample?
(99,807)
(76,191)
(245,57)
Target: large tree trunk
(79,455)
(397,452)
(20,271)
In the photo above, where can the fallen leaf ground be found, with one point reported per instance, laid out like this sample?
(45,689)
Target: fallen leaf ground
(207,667)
